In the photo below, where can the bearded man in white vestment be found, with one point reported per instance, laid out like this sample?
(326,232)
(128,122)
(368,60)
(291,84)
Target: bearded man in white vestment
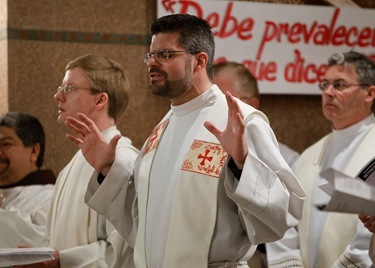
(25,188)
(97,87)
(328,239)
(199,197)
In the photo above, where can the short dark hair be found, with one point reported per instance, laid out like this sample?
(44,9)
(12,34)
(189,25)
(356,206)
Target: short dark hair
(195,34)
(28,129)
(364,66)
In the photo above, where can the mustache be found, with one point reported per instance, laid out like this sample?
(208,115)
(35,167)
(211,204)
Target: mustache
(157,70)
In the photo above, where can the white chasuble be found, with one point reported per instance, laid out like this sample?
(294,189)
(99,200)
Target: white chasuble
(193,214)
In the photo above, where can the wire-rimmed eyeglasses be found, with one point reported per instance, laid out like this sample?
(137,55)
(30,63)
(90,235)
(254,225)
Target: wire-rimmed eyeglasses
(161,55)
(338,85)
(68,88)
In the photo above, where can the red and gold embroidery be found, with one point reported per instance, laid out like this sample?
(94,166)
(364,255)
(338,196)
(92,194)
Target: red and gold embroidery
(155,137)
(205,158)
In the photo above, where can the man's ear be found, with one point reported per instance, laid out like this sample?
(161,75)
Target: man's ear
(201,60)
(371,94)
(35,151)
(254,101)
(102,99)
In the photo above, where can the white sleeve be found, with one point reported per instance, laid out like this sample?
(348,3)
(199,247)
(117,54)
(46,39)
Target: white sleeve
(116,197)
(116,200)
(289,155)
(285,252)
(358,250)
(23,229)
(268,194)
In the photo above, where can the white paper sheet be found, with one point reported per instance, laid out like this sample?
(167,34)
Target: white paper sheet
(350,195)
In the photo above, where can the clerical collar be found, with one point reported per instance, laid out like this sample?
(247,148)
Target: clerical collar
(355,129)
(107,133)
(205,99)
(40,177)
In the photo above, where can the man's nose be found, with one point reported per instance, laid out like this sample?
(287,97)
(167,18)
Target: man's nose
(58,95)
(330,90)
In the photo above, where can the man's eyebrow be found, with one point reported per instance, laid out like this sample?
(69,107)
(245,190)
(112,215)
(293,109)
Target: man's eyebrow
(6,138)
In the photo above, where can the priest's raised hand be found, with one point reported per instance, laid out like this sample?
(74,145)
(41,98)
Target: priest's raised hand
(232,138)
(98,153)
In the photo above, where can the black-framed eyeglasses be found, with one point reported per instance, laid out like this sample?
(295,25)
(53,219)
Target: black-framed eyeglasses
(338,85)
(66,89)
(161,55)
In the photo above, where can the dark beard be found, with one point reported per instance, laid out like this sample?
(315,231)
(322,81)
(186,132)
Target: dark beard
(174,88)
(171,89)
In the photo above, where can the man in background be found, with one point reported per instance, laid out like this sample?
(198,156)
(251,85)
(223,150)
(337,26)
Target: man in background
(97,87)
(25,188)
(329,239)
(240,82)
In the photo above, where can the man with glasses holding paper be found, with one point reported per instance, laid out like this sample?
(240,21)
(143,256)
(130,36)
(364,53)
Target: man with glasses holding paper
(199,197)
(331,239)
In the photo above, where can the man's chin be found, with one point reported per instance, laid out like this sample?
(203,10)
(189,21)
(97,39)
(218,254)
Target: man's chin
(157,91)
(61,120)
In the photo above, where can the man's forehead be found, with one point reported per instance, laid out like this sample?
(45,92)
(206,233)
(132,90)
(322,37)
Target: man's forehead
(168,40)
(347,70)
(77,76)
(7,133)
